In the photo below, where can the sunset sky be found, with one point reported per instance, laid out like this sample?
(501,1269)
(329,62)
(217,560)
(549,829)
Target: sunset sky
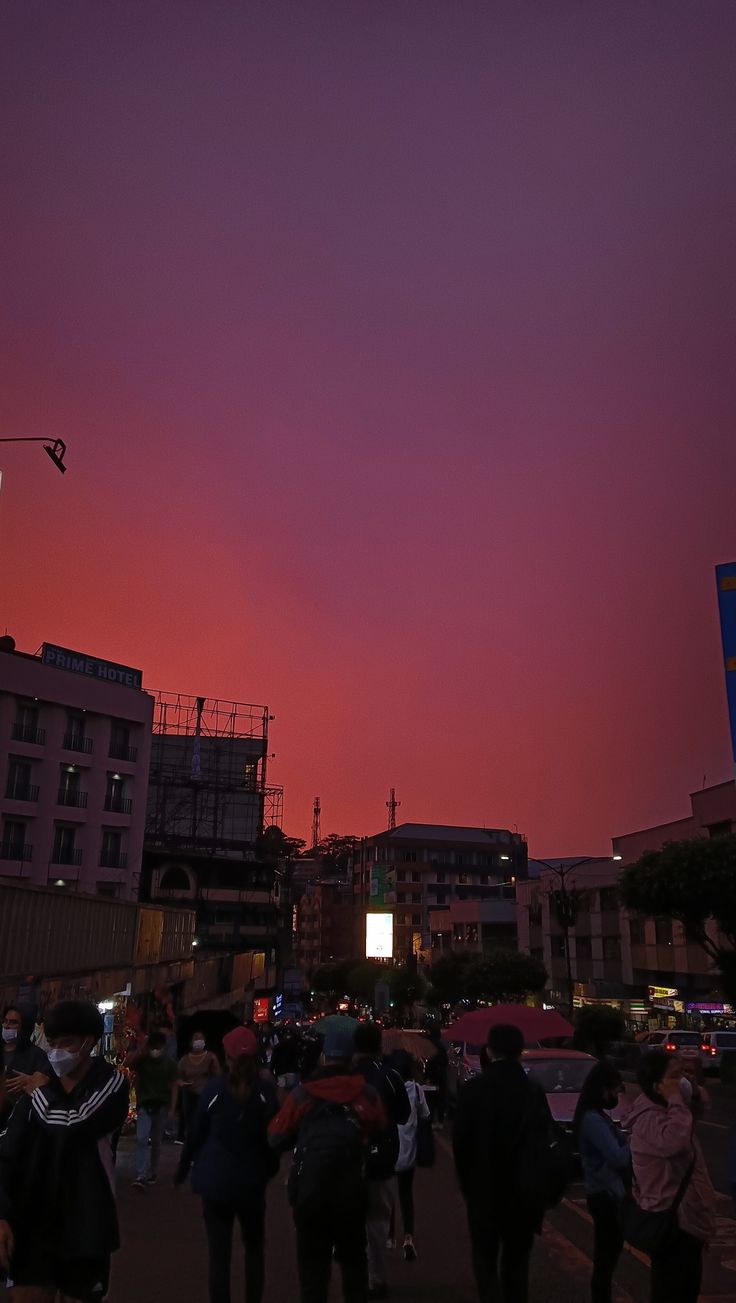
(394,345)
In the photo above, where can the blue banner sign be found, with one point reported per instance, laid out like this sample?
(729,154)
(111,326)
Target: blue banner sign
(726,581)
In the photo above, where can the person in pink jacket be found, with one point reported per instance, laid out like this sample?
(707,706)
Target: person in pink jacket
(663,1146)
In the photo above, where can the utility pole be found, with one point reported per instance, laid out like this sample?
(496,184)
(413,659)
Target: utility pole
(566,903)
(316,829)
(392,805)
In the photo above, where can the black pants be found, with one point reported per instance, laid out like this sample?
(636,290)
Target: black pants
(315,1241)
(501,1250)
(405,1183)
(188,1102)
(608,1242)
(218,1220)
(678,1271)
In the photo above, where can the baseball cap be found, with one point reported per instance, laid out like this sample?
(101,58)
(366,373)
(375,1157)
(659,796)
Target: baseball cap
(339,1041)
(238,1042)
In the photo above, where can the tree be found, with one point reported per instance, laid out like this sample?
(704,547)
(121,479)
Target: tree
(273,845)
(449,974)
(335,851)
(406,986)
(692,882)
(332,979)
(503,976)
(596,1025)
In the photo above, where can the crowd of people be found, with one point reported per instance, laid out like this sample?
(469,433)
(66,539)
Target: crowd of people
(356,1123)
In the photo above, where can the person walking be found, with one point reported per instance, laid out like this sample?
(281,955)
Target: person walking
(58,1221)
(384,1152)
(606,1159)
(228,1151)
(406,1164)
(156,1075)
(196,1068)
(331,1118)
(496,1111)
(668,1170)
(23,1065)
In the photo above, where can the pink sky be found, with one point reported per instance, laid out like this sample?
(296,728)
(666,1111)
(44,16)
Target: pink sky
(393,344)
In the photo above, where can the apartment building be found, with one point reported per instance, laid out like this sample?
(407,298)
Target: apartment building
(75,739)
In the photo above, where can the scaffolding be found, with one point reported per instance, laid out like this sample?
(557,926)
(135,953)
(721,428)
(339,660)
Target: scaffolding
(207,784)
(273,807)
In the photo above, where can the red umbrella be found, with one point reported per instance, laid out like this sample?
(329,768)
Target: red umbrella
(536,1024)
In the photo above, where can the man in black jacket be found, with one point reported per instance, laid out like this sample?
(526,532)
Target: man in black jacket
(58,1221)
(384,1151)
(496,1111)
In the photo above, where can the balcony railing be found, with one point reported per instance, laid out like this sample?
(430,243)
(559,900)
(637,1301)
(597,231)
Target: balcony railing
(77,742)
(121,751)
(118,804)
(16,851)
(22,792)
(113,859)
(29,733)
(67,796)
(66,855)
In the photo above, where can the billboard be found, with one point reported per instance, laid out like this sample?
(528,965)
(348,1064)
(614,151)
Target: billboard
(379,936)
(91,666)
(726,581)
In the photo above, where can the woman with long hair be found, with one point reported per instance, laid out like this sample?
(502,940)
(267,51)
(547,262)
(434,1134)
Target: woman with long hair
(228,1149)
(668,1164)
(606,1160)
(405,1064)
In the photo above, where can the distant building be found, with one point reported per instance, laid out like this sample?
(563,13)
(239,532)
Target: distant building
(324,924)
(417,870)
(75,739)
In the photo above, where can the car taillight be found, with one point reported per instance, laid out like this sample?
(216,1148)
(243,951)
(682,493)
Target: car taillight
(669,1046)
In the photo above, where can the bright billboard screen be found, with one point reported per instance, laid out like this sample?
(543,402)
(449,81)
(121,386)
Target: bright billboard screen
(379,936)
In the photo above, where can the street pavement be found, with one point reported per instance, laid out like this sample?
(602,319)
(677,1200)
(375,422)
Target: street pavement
(164,1253)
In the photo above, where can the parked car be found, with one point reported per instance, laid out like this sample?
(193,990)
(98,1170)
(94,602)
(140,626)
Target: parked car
(561,1074)
(713,1046)
(688,1044)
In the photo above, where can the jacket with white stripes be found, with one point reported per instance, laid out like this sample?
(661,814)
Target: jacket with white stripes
(56,1173)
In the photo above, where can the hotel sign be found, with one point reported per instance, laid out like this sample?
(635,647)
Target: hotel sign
(90,666)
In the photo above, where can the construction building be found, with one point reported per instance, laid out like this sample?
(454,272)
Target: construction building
(208,800)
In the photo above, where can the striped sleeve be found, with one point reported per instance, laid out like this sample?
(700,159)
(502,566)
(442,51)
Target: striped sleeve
(99,1114)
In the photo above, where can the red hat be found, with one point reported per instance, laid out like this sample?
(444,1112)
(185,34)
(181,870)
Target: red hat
(238,1042)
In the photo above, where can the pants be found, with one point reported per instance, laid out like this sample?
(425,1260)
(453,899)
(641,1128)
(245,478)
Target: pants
(219,1220)
(608,1242)
(678,1271)
(378,1227)
(149,1126)
(405,1183)
(188,1101)
(315,1241)
(510,1241)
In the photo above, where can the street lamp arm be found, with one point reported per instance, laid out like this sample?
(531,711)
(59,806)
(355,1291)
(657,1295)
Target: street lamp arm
(56,448)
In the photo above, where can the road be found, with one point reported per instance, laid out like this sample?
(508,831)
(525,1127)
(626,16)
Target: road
(163,1256)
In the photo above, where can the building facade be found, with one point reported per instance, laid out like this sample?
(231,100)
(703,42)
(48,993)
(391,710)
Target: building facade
(324,924)
(75,739)
(418,870)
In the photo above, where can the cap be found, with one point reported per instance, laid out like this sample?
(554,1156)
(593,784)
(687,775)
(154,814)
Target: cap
(339,1041)
(238,1042)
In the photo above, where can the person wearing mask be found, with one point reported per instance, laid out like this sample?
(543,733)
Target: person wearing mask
(606,1159)
(156,1076)
(406,1164)
(384,1152)
(494,1111)
(58,1221)
(23,1066)
(331,1118)
(228,1151)
(668,1164)
(196,1068)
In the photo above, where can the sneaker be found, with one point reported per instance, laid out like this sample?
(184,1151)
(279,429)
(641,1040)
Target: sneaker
(139,1184)
(410,1253)
(151,1180)
(178,1142)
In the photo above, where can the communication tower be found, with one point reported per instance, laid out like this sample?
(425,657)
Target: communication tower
(392,806)
(316,829)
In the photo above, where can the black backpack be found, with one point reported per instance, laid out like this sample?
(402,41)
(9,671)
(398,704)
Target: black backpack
(545,1161)
(327,1171)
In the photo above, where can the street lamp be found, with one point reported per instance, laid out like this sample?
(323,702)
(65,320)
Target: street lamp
(566,902)
(56,448)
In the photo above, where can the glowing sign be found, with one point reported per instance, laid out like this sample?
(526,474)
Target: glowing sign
(379,936)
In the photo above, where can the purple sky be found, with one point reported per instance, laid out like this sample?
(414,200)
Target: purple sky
(394,348)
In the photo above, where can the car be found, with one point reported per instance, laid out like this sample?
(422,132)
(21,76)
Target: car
(562,1075)
(688,1045)
(712,1047)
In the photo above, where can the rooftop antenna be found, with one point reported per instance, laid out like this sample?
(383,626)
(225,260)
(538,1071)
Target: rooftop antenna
(392,805)
(316,830)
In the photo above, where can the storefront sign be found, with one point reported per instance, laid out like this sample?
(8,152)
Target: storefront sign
(90,666)
(663,992)
(261,1008)
(709,1008)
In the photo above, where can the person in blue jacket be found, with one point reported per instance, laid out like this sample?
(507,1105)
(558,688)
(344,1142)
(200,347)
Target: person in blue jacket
(606,1160)
(228,1151)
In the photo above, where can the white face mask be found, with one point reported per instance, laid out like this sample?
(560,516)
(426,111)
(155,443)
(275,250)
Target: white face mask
(65,1062)
(10,1034)
(686,1090)
(156,1054)
(197,1046)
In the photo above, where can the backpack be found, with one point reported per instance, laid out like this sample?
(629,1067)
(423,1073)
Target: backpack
(545,1161)
(327,1171)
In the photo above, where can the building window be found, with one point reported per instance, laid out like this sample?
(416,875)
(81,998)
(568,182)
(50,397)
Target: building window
(416,898)
(69,791)
(19,786)
(463,879)
(535,915)
(250,775)
(25,728)
(609,898)
(120,748)
(583,947)
(637,930)
(409,857)
(416,919)
(484,879)
(115,798)
(557,946)
(441,898)
(611,947)
(459,859)
(111,852)
(441,878)
(64,849)
(663,931)
(13,844)
(722,829)
(401,875)
(415,877)
(75,737)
